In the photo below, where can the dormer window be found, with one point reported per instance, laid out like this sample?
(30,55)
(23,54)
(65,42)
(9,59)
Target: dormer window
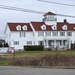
(24,27)
(64,27)
(54,27)
(18,27)
(43,27)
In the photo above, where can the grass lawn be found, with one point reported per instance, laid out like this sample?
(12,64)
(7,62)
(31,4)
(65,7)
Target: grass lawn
(6,59)
(40,53)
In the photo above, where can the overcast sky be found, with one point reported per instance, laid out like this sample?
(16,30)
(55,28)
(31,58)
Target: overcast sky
(18,16)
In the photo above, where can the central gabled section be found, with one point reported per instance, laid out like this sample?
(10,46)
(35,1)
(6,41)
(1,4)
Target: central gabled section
(50,18)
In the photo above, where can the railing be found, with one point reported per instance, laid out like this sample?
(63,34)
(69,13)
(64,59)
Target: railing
(58,48)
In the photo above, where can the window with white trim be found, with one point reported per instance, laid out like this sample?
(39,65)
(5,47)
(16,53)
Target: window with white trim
(55,33)
(64,27)
(69,33)
(24,27)
(40,33)
(22,34)
(62,33)
(54,27)
(50,17)
(40,43)
(47,33)
(29,42)
(16,42)
(18,27)
(43,27)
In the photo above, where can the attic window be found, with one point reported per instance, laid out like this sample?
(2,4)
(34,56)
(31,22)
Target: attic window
(64,27)
(18,27)
(24,27)
(43,27)
(54,27)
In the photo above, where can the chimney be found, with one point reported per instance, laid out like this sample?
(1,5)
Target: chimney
(65,20)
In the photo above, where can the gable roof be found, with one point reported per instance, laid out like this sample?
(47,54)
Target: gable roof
(70,27)
(49,13)
(37,26)
(12,26)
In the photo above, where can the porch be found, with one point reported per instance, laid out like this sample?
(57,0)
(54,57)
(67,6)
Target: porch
(56,44)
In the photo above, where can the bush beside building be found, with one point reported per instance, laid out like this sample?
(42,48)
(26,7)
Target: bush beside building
(33,48)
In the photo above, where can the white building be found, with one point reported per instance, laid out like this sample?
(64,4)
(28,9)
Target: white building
(49,32)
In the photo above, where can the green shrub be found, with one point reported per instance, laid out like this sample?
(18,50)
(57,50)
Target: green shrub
(33,48)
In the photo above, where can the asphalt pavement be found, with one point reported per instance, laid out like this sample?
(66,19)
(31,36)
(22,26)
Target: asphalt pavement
(12,70)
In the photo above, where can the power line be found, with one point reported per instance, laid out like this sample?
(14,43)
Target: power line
(20,9)
(56,3)
(30,11)
(65,15)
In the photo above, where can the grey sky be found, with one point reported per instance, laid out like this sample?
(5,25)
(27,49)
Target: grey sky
(18,16)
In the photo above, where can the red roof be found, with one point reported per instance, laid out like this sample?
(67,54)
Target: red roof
(70,27)
(37,26)
(49,13)
(13,26)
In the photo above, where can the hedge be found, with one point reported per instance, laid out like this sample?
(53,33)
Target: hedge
(33,48)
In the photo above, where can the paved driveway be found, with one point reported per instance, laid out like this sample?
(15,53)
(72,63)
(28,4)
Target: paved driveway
(34,71)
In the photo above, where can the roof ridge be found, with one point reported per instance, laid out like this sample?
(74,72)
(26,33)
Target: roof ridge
(49,13)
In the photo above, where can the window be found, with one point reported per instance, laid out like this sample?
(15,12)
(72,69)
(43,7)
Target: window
(24,27)
(62,33)
(50,17)
(29,42)
(18,27)
(54,27)
(69,33)
(43,27)
(40,43)
(22,34)
(16,42)
(47,33)
(64,42)
(41,33)
(64,27)
(55,33)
